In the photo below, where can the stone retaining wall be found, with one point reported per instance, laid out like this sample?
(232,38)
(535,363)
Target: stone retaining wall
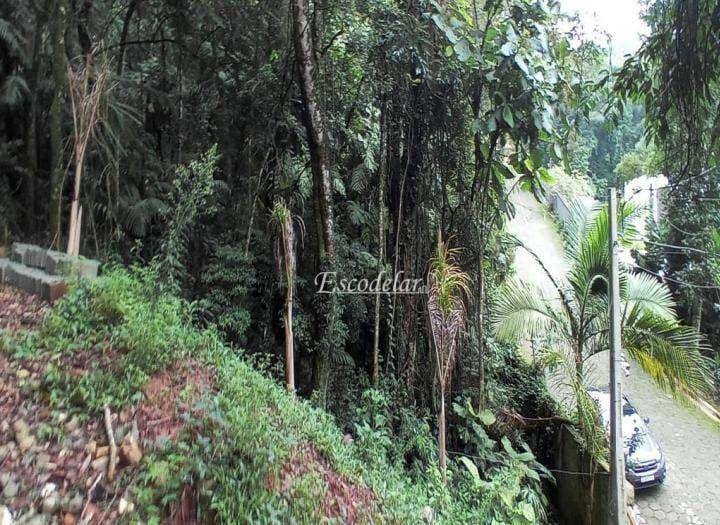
(44,272)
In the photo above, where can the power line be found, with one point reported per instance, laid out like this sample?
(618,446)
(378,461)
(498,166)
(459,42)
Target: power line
(675,185)
(687,248)
(674,226)
(677,281)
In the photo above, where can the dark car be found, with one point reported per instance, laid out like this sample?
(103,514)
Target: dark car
(644,461)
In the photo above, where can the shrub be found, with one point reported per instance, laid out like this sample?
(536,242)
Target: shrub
(122,329)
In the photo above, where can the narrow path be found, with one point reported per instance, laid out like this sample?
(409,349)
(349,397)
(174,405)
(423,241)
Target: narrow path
(691,492)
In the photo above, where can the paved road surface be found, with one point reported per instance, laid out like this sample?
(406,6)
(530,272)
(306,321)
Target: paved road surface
(691,493)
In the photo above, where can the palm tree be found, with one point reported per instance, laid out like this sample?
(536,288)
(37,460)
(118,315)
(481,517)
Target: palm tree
(285,257)
(579,321)
(87,87)
(651,333)
(448,288)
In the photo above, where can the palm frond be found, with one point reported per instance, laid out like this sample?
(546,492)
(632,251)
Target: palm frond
(339,357)
(588,247)
(670,353)
(586,411)
(136,217)
(521,312)
(13,91)
(449,286)
(357,214)
(12,39)
(359,177)
(644,293)
(576,226)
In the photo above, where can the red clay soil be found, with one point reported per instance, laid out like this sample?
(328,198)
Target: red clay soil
(19,309)
(343,499)
(67,450)
(170,394)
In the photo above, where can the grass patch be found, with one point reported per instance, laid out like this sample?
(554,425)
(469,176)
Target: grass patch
(248,451)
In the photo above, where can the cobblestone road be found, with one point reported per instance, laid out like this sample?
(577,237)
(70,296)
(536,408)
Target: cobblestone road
(691,492)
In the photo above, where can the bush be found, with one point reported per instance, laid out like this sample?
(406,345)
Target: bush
(121,329)
(228,278)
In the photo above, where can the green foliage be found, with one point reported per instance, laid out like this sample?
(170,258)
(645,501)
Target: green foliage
(121,328)
(511,481)
(571,186)
(229,277)
(389,432)
(579,327)
(643,161)
(519,58)
(240,435)
(651,333)
(675,76)
(515,385)
(599,146)
(193,186)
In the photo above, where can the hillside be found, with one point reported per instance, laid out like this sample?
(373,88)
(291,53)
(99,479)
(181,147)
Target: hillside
(202,436)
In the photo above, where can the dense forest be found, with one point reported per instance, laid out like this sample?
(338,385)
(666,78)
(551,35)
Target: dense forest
(222,158)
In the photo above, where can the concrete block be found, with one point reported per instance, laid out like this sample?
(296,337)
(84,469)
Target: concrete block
(87,268)
(17,253)
(35,257)
(22,277)
(57,263)
(35,281)
(52,288)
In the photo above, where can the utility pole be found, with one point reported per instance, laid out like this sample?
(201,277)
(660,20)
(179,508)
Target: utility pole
(617,445)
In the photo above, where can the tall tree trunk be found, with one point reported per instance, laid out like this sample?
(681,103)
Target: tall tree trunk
(31,158)
(123,36)
(75,225)
(289,340)
(481,329)
(315,126)
(287,264)
(382,176)
(322,182)
(59,72)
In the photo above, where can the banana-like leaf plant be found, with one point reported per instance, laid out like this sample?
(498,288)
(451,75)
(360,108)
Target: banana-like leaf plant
(448,287)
